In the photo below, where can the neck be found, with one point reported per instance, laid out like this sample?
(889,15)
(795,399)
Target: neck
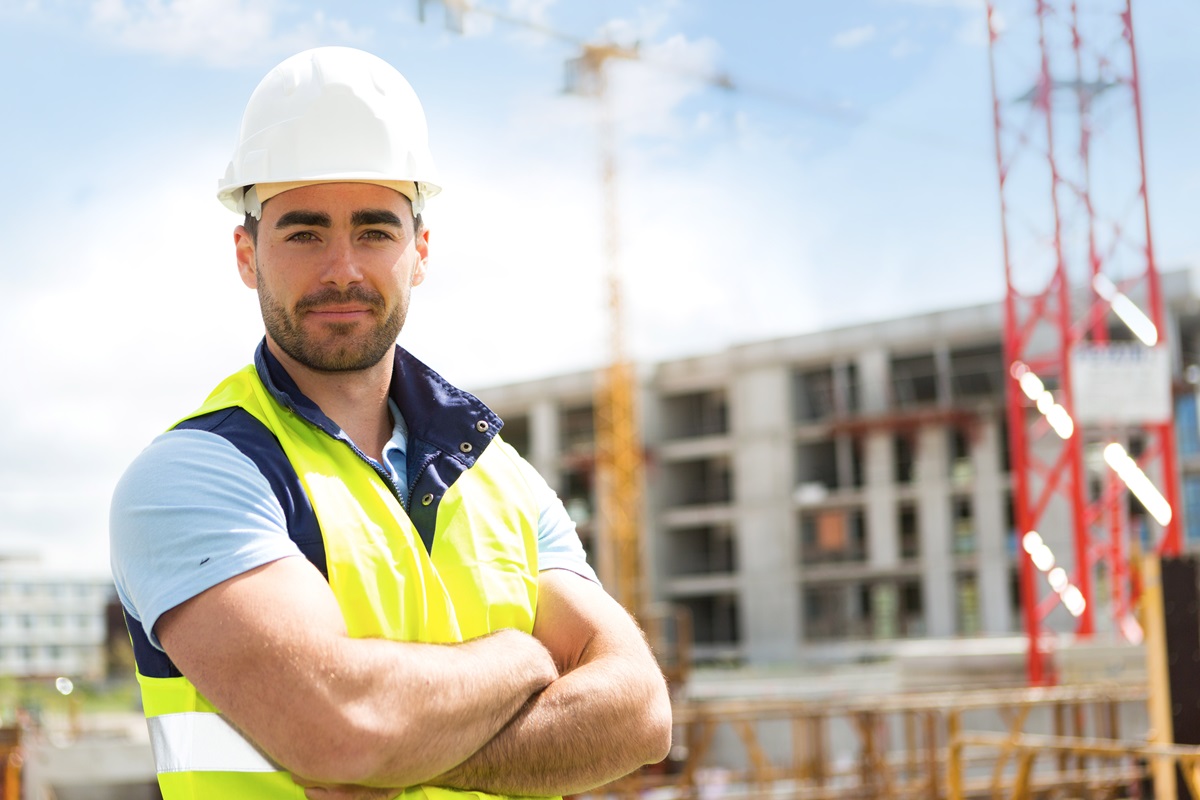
(356,400)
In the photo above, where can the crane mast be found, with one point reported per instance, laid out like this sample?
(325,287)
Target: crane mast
(619,462)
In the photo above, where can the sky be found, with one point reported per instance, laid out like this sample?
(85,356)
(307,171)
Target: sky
(848,175)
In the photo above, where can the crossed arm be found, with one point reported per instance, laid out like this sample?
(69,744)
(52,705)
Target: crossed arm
(578,703)
(607,714)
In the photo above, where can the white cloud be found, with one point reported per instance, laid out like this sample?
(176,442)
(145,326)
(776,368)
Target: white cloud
(533,10)
(468,23)
(520,19)
(649,23)
(218,32)
(699,274)
(143,316)
(855,37)
(904,48)
(646,94)
(514,252)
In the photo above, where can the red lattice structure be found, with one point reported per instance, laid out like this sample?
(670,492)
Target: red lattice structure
(1077,243)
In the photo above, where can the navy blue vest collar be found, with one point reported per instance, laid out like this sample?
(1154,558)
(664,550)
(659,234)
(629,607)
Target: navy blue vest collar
(437,414)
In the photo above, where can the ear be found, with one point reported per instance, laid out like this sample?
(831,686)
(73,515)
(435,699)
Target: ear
(243,244)
(422,245)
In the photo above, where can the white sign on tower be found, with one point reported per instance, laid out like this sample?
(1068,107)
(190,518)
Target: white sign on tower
(1121,383)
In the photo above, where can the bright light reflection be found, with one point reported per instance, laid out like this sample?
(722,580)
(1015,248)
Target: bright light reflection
(1043,558)
(1133,477)
(1072,598)
(1032,385)
(1058,418)
(1058,579)
(1061,421)
(1132,630)
(1127,311)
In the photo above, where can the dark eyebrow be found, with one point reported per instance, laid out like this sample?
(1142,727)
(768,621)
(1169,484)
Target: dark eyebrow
(314,219)
(375,216)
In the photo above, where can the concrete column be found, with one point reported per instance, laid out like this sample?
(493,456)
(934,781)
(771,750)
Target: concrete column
(841,388)
(654,539)
(885,611)
(941,360)
(883,533)
(991,538)
(844,446)
(544,441)
(883,541)
(765,526)
(933,513)
(874,380)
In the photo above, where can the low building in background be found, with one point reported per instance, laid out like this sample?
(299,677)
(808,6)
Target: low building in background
(53,623)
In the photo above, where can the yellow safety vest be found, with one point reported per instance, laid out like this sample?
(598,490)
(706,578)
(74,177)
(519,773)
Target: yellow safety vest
(480,577)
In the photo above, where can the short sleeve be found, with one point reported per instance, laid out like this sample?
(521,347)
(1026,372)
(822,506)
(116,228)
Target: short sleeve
(190,512)
(559,546)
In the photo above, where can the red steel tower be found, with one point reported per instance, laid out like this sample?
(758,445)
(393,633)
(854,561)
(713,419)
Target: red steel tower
(1088,399)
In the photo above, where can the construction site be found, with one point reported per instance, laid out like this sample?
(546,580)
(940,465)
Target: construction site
(945,555)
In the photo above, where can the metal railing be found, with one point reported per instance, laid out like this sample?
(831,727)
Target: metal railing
(897,747)
(1090,769)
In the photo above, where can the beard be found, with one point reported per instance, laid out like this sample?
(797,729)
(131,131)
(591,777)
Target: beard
(339,347)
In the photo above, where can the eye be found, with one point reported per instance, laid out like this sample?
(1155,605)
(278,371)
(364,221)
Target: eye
(378,235)
(302,236)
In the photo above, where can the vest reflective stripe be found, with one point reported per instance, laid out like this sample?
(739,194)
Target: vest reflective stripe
(201,742)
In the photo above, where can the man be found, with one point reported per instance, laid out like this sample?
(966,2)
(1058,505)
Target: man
(338,579)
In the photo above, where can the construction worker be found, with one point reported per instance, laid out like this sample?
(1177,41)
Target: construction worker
(339,581)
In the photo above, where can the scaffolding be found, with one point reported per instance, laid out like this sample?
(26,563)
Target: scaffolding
(933,746)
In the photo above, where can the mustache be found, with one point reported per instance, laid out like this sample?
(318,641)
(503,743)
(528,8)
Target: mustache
(330,296)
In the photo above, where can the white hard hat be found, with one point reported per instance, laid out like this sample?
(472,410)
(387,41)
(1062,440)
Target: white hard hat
(330,114)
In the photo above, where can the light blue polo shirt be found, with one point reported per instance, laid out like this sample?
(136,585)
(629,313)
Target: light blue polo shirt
(192,493)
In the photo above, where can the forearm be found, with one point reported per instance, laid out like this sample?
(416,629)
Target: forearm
(592,725)
(407,718)
(340,710)
(606,715)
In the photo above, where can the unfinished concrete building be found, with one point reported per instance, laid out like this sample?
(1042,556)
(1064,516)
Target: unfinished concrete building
(827,495)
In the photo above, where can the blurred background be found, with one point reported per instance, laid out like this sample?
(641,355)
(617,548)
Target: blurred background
(807,188)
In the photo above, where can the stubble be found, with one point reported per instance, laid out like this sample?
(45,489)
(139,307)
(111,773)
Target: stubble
(336,347)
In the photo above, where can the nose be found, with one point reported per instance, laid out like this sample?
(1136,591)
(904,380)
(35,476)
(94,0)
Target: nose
(341,267)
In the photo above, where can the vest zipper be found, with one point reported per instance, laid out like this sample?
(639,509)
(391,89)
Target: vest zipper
(379,470)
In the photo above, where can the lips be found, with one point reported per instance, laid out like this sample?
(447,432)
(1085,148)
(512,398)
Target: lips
(335,304)
(339,310)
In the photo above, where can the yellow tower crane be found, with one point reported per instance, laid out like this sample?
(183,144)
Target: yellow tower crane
(619,462)
(619,475)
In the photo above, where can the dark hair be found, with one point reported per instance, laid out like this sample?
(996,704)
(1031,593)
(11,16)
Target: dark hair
(251,225)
